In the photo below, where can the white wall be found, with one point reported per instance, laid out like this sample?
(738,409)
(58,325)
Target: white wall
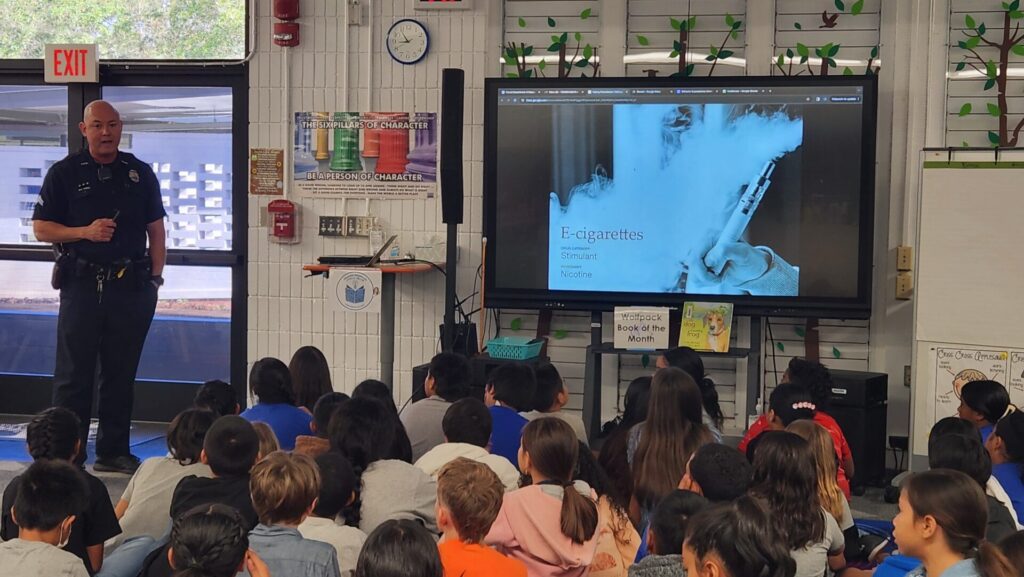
(286,311)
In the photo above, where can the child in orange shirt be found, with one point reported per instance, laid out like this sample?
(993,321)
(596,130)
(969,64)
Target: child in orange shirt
(469,496)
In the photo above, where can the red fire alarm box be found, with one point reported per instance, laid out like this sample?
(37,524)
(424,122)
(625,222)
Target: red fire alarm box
(283,221)
(286,9)
(286,33)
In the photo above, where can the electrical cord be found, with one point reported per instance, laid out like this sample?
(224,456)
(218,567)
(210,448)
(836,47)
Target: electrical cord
(775,365)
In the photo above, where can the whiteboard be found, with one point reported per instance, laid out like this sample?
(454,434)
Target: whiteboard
(969,285)
(970,269)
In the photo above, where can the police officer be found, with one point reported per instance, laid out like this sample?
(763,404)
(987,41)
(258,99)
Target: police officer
(99,207)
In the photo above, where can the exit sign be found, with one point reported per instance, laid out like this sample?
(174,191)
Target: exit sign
(64,63)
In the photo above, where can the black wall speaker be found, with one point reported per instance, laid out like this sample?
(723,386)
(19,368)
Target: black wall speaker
(453,82)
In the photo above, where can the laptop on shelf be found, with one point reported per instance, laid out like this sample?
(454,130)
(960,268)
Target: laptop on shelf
(366,261)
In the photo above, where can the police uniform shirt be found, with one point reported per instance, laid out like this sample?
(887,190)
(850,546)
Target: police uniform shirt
(78,190)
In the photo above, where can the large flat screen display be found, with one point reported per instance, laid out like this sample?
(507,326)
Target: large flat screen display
(613,191)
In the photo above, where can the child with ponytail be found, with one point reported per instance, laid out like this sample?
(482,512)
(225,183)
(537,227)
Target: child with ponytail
(552,540)
(690,362)
(941,521)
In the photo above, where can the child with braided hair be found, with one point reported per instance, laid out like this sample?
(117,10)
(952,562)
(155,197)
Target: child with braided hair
(53,435)
(211,541)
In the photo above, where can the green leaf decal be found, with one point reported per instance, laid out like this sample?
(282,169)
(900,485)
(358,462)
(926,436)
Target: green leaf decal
(560,334)
(585,14)
(993,137)
(780,346)
(645,360)
(965,109)
(643,41)
(522,22)
(840,6)
(836,353)
(993,110)
(516,324)
(551,22)
(969,22)
(857,7)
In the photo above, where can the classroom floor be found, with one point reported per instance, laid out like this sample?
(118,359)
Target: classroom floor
(147,440)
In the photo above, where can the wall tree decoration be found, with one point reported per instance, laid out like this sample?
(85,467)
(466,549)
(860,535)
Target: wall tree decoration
(681,48)
(795,60)
(583,56)
(999,45)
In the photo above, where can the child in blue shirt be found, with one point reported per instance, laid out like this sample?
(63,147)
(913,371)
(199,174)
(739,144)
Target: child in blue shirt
(509,391)
(271,385)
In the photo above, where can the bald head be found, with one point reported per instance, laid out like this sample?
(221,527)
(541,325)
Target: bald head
(101,127)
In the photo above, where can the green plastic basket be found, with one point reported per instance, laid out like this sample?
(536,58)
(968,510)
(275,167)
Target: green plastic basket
(513,348)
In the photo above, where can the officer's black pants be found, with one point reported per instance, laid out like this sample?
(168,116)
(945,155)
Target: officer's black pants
(99,343)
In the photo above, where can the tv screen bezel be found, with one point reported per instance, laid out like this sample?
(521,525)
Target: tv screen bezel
(858,307)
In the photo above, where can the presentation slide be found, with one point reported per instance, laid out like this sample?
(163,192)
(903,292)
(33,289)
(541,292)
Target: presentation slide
(736,191)
(688,181)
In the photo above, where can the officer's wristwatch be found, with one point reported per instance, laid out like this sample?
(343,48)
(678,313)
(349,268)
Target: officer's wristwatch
(157,280)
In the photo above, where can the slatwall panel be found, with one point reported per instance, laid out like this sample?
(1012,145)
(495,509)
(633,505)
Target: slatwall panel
(847,338)
(967,86)
(286,310)
(568,354)
(857,35)
(537,33)
(652,20)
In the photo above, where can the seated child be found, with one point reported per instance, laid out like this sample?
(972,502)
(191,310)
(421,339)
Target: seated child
(665,537)
(271,385)
(50,495)
(941,522)
(211,541)
(469,496)
(983,403)
(230,450)
(467,430)
(550,525)
(787,403)
(719,473)
(401,447)
(217,397)
(689,361)
(509,391)
(268,440)
(144,507)
(1006,447)
(284,490)
(785,478)
(399,548)
(815,380)
(967,455)
(337,491)
(317,444)
(617,540)
(53,434)
(387,488)
(447,381)
(551,397)
(735,540)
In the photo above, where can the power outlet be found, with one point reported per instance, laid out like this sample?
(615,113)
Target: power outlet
(906,376)
(359,225)
(904,258)
(332,226)
(904,285)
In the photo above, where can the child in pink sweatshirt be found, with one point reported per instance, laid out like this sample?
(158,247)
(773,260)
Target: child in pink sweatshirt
(550,525)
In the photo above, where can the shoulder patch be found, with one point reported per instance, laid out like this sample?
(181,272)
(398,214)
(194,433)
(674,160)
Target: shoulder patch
(133,175)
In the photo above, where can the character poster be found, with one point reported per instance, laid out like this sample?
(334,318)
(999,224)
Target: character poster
(366,155)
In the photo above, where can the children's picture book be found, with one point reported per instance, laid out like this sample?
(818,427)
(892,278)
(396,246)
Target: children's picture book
(706,326)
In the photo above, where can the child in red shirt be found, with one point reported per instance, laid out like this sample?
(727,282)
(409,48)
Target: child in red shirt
(816,380)
(469,496)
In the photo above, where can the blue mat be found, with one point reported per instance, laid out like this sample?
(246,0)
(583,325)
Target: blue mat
(146,441)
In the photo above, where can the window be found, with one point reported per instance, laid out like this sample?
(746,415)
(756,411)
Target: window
(138,30)
(33,135)
(184,133)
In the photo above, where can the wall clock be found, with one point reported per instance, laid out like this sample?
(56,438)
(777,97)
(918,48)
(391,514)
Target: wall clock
(408,41)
